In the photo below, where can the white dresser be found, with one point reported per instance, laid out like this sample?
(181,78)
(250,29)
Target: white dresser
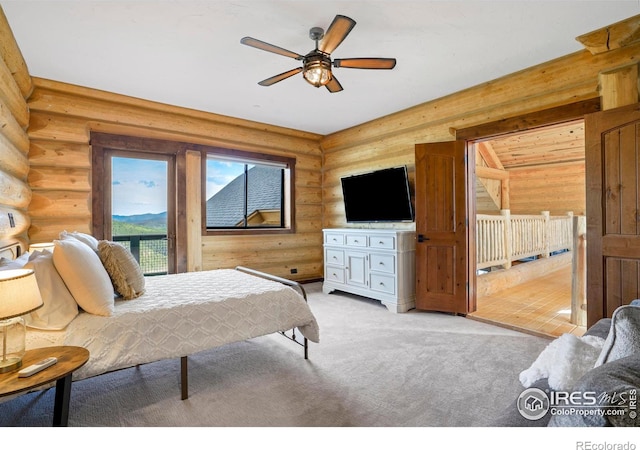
(378,264)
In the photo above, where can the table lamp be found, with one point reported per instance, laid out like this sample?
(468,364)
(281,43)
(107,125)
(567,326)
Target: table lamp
(19,295)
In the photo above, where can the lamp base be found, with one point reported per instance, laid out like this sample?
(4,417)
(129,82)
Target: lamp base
(10,364)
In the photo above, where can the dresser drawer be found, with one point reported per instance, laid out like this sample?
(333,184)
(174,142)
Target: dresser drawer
(355,240)
(383,263)
(386,242)
(334,256)
(334,239)
(383,283)
(335,274)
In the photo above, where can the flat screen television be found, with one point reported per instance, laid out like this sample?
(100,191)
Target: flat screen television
(379,196)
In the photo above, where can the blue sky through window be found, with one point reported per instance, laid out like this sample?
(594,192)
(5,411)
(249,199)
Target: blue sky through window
(220,173)
(139,186)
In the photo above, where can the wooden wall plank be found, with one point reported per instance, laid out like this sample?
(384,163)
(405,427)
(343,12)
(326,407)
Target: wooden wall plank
(12,160)
(11,96)
(15,86)
(60,178)
(45,153)
(12,56)
(145,116)
(12,130)
(15,192)
(555,189)
(61,205)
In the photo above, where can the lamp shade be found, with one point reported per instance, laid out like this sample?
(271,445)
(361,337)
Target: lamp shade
(19,293)
(41,246)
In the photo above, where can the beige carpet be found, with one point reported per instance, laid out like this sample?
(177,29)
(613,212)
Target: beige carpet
(372,368)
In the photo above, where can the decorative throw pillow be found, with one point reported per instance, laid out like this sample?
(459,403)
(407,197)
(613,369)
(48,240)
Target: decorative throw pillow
(123,269)
(59,307)
(82,237)
(624,335)
(85,276)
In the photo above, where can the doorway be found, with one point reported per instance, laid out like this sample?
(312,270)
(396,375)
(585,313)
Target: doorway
(135,194)
(139,217)
(531,176)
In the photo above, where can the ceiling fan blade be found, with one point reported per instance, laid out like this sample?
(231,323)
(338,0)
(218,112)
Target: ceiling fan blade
(256,43)
(337,31)
(365,63)
(274,79)
(334,85)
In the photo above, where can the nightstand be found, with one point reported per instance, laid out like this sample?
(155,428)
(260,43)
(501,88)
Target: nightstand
(69,360)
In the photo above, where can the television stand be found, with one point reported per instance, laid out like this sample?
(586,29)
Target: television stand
(374,263)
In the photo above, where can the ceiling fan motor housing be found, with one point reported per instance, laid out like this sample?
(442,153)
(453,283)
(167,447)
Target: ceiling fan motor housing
(316,33)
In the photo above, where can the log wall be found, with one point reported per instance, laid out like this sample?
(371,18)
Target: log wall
(557,189)
(15,87)
(55,193)
(62,118)
(390,140)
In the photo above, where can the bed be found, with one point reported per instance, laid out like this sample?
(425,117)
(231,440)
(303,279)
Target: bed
(178,315)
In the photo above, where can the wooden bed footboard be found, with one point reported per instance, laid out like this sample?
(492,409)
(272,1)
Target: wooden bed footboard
(184,373)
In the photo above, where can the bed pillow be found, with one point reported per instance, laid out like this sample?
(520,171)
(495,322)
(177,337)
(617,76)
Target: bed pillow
(59,307)
(85,276)
(624,335)
(123,269)
(82,237)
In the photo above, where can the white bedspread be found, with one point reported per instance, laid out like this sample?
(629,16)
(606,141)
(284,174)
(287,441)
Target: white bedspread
(182,314)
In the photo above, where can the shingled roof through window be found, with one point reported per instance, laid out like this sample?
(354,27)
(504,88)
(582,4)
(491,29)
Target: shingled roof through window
(226,207)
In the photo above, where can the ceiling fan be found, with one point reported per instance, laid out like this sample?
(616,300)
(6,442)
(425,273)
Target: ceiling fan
(316,65)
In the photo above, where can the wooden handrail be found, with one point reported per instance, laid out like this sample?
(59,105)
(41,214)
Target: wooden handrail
(502,239)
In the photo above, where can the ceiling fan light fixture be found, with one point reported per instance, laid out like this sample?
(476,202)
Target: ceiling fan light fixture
(317,65)
(317,69)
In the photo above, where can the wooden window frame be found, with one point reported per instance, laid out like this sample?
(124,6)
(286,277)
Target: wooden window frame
(103,144)
(246,156)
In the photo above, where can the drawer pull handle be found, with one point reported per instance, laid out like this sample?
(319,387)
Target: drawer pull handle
(380,242)
(381,263)
(381,283)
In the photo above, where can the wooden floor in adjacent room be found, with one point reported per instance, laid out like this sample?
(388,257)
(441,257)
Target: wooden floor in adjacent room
(541,306)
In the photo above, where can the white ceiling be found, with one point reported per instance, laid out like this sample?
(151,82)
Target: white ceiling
(188,53)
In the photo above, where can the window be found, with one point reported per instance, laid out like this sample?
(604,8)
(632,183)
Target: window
(246,191)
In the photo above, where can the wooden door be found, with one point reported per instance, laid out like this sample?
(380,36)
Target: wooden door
(613,210)
(445,248)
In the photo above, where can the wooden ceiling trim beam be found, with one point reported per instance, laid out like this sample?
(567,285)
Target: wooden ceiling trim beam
(529,121)
(617,35)
(489,155)
(491,173)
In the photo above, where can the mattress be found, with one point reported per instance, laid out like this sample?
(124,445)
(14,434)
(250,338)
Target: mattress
(181,314)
